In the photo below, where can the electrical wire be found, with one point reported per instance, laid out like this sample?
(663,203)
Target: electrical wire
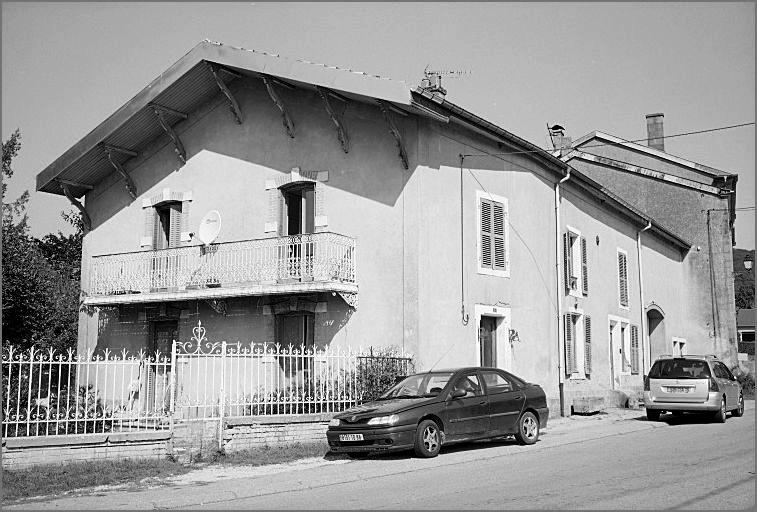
(624,141)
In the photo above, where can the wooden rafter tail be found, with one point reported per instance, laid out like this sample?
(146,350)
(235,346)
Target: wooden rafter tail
(288,124)
(394,131)
(84,215)
(340,131)
(130,186)
(178,146)
(233,105)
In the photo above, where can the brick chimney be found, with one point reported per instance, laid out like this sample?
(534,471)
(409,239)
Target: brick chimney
(654,131)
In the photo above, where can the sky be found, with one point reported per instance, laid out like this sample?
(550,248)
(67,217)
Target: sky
(586,66)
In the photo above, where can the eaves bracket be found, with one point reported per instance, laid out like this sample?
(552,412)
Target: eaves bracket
(340,131)
(86,220)
(350,298)
(394,131)
(233,105)
(130,186)
(178,146)
(288,124)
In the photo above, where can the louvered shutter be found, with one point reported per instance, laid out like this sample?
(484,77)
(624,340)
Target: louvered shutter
(587,345)
(584,268)
(148,234)
(570,352)
(486,233)
(634,349)
(174,230)
(566,260)
(623,279)
(498,235)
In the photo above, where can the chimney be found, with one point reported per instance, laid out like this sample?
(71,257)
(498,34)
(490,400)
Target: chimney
(655,135)
(559,140)
(432,82)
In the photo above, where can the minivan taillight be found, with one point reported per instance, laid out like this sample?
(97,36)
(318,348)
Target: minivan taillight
(646,383)
(714,385)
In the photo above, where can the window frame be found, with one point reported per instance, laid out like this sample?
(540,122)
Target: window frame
(480,194)
(576,268)
(578,319)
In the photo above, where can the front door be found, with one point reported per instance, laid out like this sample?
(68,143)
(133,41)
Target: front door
(615,343)
(488,341)
(296,330)
(158,398)
(468,416)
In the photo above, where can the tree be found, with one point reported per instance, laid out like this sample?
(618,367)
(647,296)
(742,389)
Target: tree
(743,280)
(40,278)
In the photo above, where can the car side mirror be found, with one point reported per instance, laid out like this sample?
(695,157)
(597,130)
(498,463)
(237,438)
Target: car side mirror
(458,393)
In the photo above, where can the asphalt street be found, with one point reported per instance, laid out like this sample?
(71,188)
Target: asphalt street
(610,461)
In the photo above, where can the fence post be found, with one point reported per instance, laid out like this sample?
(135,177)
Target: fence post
(174,369)
(222,396)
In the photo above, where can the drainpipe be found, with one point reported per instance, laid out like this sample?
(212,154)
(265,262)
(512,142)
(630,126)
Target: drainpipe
(646,349)
(558,243)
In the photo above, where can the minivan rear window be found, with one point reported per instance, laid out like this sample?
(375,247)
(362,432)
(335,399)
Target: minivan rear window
(680,369)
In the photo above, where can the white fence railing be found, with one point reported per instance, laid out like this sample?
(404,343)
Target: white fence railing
(316,257)
(48,393)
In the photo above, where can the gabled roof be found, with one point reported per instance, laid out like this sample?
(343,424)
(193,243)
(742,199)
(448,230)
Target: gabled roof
(702,169)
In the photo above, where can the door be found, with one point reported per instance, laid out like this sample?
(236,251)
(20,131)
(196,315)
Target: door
(296,330)
(615,342)
(488,341)
(506,401)
(158,398)
(468,416)
(300,220)
(166,235)
(727,382)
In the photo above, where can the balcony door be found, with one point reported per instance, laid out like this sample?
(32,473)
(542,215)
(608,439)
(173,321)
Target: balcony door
(166,235)
(297,254)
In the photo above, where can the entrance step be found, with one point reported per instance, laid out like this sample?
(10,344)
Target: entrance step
(588,405)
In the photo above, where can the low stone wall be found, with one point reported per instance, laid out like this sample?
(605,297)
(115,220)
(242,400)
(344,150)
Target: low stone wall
(258,431)
(26,452)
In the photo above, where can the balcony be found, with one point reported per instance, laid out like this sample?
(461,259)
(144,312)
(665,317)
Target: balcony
(291,264)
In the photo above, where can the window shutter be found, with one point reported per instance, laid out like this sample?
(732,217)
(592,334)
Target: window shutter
(148,235)
(566,260)
(498,210)
(584,268)
(587,344)
(174,233)
(570,353)
(623,278)
(185,227)
(486,233)
(634,349)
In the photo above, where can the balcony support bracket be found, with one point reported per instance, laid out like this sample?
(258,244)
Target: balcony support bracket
(217,305)
(340,131)
(178,146)
(288,124)
(349,298)
(130,186)
(394,131)
(233,105)
(84,215)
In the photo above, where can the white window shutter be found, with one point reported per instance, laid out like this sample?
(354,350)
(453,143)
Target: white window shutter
(584,268)
(498,235)
(587,344)
(634,349)
(149,227)
(570,352)
(486,233)
(623,279)
(566,260)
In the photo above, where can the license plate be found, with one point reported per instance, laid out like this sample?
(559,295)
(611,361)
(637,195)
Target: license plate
(673,389)
(350,437)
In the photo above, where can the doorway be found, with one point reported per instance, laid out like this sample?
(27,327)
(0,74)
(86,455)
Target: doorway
(487,336)
(297,254)
(296,330)
(157,396)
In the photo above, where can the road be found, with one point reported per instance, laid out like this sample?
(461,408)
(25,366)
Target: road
(621,463)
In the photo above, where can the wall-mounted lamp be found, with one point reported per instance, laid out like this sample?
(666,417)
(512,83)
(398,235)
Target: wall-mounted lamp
(748,261)
(597,239)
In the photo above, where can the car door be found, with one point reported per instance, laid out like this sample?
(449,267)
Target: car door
(506,400)
(727,382)
(467,416)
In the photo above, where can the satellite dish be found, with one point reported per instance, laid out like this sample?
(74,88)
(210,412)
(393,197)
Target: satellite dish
(210,226)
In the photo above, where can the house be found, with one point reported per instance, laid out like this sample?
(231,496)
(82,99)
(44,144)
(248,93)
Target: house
(692,200)
(252,197)
(745,326)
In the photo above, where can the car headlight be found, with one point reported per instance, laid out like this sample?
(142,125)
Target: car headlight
(335,422)
(384,420)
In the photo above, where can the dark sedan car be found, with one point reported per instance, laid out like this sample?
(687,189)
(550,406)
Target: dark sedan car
(427,410)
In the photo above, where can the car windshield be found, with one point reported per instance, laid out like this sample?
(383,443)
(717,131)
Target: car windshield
(680,369)
(415,386)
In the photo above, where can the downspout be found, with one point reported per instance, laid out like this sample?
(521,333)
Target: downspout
(560,356)
(646,348)
(464,316)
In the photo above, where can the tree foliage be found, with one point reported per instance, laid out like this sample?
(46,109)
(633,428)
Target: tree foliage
(743,279)
(40,278)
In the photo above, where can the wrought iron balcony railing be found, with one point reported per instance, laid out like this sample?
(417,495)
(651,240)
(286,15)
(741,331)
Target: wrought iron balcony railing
(318,257)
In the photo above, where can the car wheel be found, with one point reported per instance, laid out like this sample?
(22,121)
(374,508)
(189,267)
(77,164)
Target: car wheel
(653,415)
(720,415)
(427,439)
(739,411)
(528,428)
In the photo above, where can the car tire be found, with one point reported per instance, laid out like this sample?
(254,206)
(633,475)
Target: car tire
(739,411)
(653,415)
(528,428)
(428,439)
(719,416)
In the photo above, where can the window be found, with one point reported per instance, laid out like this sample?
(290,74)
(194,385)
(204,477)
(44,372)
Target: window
(623,278)
(496,383)
(575,263)
(300,209)
(469,384)
(493,238)
(679,347)
(167,227)
(577,344)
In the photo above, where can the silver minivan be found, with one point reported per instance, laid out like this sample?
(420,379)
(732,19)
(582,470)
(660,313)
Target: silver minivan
(692,384)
